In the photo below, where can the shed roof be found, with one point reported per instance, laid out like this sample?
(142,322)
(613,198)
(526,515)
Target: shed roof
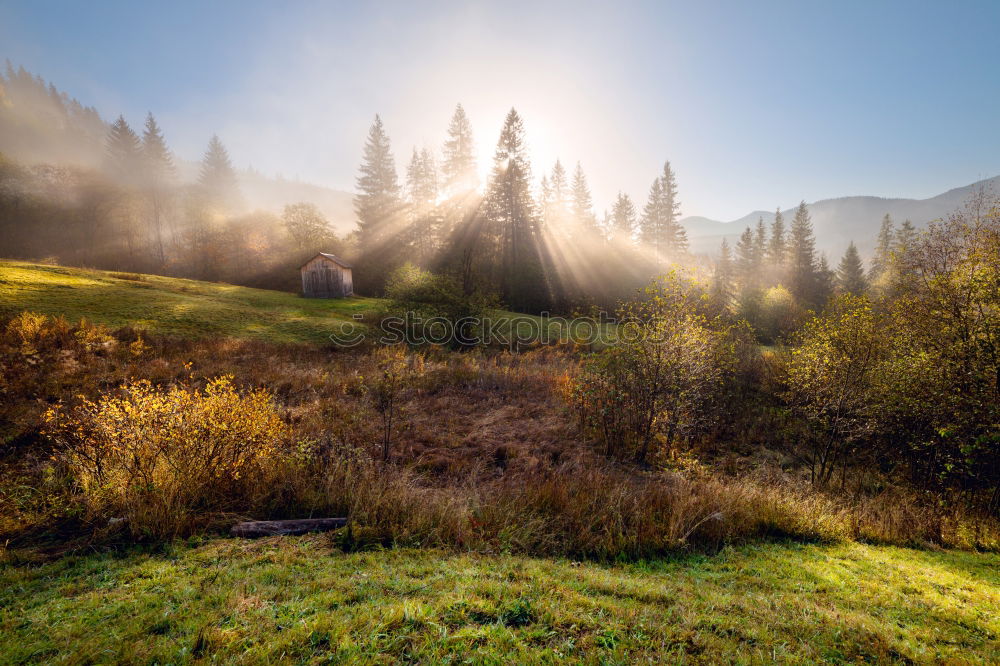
(331,257)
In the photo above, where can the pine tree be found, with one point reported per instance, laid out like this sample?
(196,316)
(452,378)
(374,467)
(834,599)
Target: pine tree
(746,257)
(906,235)
(760,243)
(623,219)
(556,210)
(377,202)
(421,179)
(652,224)
(425,217)
(583,205)
(217,178)
(851,272)
(459,165)
(777,250)
(512,225)
(123,153)
(802,257)
(883,248)
(660,225)
(158,173)
(674,233)
(722,281)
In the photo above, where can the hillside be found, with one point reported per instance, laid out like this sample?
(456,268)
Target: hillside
(173,306)
(839,221)
(299,599)
(196,309)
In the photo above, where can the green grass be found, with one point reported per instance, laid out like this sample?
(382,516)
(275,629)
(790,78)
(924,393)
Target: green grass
(300,600)
(190,308)
(174,306)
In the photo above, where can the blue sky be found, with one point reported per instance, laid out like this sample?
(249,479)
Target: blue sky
(756,104)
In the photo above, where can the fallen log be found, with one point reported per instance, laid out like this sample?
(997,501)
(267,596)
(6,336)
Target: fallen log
(261,528)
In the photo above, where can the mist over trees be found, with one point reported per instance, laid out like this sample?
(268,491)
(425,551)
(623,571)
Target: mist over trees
(113,196)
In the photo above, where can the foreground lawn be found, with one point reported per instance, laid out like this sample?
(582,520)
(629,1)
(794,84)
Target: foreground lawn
(174,306)
(298,599)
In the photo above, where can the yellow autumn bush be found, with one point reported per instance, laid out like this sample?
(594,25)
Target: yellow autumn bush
(170,459)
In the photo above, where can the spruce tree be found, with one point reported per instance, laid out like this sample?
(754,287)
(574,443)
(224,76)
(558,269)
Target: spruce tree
(652,225)
(377,202)
(459,165)
(722,281)
(883,248)
(802,257)
(660,226)
(123,153)
(217,178)
(623,219)
(777,250)
(583,205)
(746,257)
(674,232)
(158,173)
(556,210)
(906,235)
(851,272)
(512,224)
(760,244)
(421,179)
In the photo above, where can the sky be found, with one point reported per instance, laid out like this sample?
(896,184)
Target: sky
(755,104)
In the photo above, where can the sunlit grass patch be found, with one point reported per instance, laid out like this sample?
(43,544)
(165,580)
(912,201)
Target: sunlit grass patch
(174,306)
(300,599)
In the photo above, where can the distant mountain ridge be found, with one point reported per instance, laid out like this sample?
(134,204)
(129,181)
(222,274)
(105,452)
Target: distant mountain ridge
(839,221)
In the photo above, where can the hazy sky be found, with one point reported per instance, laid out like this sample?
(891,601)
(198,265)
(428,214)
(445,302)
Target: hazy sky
(756,104)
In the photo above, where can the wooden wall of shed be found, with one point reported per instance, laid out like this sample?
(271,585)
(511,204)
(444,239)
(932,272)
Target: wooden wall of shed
(325,278)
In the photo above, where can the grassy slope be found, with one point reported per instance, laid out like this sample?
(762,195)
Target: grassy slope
(300,600)
(174,306)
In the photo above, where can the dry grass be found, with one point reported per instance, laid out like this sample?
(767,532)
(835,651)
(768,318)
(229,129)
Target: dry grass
(487,456)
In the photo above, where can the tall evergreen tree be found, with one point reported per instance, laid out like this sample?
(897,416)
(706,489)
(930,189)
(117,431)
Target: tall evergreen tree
(459,165)
(883,248)
(746,257)
(623,219)
(906,235)
(583,204)
(851,272)
(217,178)
(652,225)
(760,243)
(377,202)
(123,153)
(722,281)
(421,179)
(556,204)
(660,225)
(512,224)
(825,280)
(777,250)
(676,235)
(802,257)
(425,224)
(158,173)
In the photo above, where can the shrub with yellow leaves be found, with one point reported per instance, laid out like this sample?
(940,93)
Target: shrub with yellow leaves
(169,459)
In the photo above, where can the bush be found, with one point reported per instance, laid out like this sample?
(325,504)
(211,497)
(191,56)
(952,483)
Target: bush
(166,460)
(662,378)
(418,298)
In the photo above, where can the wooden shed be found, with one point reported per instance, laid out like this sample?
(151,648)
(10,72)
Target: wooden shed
(326,276)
